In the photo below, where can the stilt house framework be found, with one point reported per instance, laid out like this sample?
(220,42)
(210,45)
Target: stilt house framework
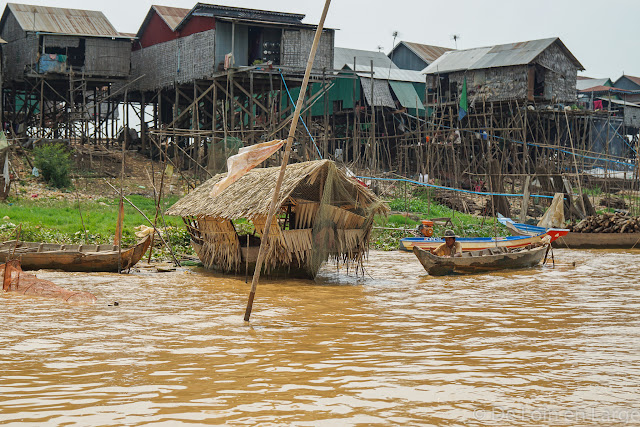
(60,66)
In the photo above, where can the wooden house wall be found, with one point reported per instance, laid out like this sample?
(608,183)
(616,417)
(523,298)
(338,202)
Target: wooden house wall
(157,31)
(561,75)
(494,84)
(405,59)
(627,84)
(176,61)
(106,57)
(21,49)
(296,45)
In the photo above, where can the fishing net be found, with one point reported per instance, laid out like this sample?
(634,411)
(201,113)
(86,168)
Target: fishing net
(342,222)
(18,282)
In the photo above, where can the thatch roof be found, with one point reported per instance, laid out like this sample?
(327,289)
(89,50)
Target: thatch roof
(251,195)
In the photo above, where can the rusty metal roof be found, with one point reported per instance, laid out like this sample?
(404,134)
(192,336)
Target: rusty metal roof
(427,52)
(172,16)
(504,55)
(57,20)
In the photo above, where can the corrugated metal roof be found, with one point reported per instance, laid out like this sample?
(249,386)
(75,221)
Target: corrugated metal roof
(583,84)
(427,52)
(172,16)
(504,55)
(407,95)
(620,102)
(384,73)
(344,57)
(604,89)
(264,16)
(62,21)
(456,60)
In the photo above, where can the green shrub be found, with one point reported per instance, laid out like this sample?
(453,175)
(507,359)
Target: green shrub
(54,164)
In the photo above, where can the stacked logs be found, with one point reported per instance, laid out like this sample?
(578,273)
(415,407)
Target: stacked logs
(607,223)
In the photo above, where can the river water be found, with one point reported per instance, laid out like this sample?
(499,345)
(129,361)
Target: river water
(542,346)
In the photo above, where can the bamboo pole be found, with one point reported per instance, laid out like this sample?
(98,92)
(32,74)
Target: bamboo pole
(285,160)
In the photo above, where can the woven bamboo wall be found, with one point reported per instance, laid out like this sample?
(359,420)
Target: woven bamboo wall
(106,57)
(296,45)
(176,61)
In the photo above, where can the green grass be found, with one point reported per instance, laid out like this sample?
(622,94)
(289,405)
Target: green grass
(418,208)
(59,221)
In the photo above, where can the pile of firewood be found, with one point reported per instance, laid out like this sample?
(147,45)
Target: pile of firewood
(607,223)
(456,202)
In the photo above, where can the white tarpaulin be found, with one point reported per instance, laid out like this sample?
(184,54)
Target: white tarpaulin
(554,216)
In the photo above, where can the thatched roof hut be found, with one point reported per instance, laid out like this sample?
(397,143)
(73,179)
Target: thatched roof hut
(322,214)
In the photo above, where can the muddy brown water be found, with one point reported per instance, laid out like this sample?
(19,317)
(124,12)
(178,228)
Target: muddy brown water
(535,347)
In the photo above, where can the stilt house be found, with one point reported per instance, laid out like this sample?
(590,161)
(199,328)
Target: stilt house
(210,39)
(542,71)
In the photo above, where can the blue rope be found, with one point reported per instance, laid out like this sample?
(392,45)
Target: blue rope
(481,193)
(301,119)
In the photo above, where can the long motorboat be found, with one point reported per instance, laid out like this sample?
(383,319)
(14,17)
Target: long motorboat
(98,258)
(574,240)
(480,243)
(491,259)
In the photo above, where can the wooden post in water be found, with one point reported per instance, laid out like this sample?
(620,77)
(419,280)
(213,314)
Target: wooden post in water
(285,160)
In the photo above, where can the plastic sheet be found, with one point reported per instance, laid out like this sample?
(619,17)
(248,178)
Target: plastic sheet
(246,159)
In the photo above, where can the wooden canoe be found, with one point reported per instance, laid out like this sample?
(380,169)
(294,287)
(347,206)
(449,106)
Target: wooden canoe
(573,240)
(480,243)
(53,256)
(480,261)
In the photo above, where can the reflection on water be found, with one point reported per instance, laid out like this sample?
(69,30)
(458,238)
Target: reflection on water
(396,347)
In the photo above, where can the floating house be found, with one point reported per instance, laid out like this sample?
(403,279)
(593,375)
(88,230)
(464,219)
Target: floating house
(322,214)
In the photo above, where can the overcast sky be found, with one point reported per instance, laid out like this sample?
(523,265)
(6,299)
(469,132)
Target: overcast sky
(603,36)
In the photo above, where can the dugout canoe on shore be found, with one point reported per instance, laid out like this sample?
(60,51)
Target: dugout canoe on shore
(86,258)
(491,259)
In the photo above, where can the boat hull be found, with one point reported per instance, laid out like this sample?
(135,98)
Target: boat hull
(480,243)
(84,258)
(573,240)
(598,241)
(480,261)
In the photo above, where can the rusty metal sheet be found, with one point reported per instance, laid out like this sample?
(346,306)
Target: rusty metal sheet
(62,21)
(172,16)
(427,52)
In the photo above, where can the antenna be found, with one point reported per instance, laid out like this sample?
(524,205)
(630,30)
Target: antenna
(393,46)
(455,38)
(380,48)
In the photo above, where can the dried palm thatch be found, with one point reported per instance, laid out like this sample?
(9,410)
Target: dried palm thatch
(323,214)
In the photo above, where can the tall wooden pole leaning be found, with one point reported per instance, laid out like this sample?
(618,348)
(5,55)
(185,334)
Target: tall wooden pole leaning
(285,160)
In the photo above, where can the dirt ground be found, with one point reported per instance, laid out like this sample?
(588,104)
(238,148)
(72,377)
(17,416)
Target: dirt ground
(94,170)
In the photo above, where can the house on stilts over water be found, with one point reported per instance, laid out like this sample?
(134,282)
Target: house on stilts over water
(322,214)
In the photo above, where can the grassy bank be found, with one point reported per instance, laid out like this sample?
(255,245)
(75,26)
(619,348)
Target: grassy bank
(61,221)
